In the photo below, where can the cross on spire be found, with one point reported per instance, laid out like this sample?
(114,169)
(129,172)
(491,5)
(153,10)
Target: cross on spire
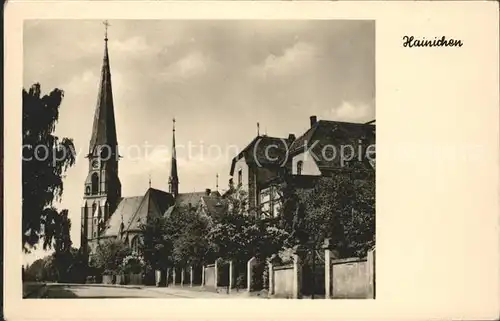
(106,25)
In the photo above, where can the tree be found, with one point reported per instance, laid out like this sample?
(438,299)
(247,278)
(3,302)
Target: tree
(76,266)
(188,230)
(109,255)
(54,267)
(341,207)
(34,270)
(176,240)
(240,234)
(46,158)
(238,237)
(156,246)
(59,231)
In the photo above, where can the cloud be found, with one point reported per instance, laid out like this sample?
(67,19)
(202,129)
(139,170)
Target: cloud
(189,66)
(294,61)
(353,112)
(81,82)
(131,46)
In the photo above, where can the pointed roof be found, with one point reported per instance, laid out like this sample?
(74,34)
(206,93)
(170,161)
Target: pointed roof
(126,209)
(337,134)
(104,127)
(214,205)
(173,164)
(265,151)
(132,211)
(153,204)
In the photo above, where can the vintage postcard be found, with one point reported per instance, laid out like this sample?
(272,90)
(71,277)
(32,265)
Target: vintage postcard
(173,151)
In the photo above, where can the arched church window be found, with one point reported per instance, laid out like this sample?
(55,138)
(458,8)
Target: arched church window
(135,244)
(87,190)
(95,183)
(106,210)
(94,206)
(299,167)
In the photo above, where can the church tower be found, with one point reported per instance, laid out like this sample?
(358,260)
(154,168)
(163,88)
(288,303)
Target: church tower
(102,190)
(173,180)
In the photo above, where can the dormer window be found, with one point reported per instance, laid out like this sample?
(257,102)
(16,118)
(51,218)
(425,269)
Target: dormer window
(299,167)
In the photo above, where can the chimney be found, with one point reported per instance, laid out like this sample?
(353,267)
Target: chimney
(208,191)
(291,137)
(313,120)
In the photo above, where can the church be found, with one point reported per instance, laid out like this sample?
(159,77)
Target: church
(105,213)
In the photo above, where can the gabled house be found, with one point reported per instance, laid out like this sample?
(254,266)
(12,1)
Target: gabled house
(261,160)
(326,148)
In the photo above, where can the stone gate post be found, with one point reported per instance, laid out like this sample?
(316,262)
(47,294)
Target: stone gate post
(370,261)
(231,276)
(203,275)
(328,269)
(216,270)
(270,268)
(191,276)
(297,274)
(250,264)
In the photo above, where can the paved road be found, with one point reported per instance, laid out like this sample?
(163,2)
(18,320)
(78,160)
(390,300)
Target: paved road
(102,291)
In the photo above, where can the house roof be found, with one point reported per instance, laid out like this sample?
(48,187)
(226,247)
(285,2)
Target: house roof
(214,205)
(325,139)
(184,199)
(123,213)
(131,211)
(264,151)
(153,204)
(194,200)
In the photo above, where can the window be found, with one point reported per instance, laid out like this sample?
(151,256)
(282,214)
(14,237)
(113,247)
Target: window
(95,183)
(106,210)
(95,234)
(94,206)
(105,152)
(299,167)
(135,244)
(87,190)
(240,176)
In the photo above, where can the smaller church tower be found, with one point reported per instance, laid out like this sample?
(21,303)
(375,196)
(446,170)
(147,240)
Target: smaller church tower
(173,180)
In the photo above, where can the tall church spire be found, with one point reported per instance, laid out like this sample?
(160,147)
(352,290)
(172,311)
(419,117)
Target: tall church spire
(104,127)
(173,180)
(102,186)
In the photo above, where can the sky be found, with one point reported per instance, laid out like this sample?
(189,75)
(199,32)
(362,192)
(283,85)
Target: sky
(217,78)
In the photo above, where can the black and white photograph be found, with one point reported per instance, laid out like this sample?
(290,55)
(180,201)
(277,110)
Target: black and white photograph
(198,159)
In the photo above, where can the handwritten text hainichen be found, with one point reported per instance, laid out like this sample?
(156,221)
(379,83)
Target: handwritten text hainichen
(410,41)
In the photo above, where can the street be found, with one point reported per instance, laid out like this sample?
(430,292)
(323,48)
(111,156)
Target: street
(56,290)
